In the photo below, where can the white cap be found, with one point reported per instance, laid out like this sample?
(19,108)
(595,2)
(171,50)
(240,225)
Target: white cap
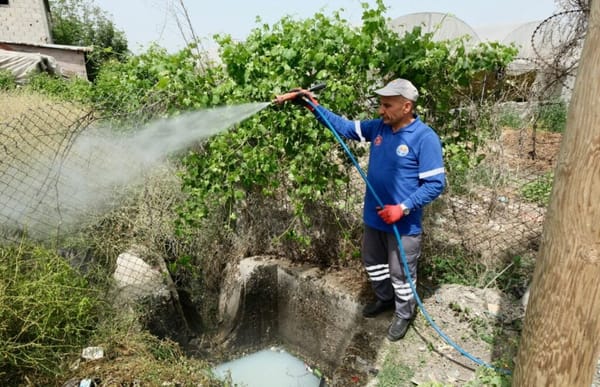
(400,87)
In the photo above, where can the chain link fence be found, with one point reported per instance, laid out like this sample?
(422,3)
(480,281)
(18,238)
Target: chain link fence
(58,176)
(496,211)
(35,143)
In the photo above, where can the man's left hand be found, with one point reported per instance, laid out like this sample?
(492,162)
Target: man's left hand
(390,213)
(300,97)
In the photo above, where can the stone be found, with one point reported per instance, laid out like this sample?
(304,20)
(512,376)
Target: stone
(92,353)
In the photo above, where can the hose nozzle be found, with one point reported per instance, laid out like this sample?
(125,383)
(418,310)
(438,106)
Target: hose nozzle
(290,96)
(295,93)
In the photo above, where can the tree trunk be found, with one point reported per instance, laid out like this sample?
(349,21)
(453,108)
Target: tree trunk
(561,334)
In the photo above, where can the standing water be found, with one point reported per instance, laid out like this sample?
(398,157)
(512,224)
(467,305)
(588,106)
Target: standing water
(269,368)
(56,189)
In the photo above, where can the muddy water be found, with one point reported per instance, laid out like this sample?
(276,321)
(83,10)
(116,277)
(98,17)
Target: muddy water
(269,368)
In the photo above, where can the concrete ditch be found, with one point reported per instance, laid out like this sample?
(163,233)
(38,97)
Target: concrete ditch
(267,301)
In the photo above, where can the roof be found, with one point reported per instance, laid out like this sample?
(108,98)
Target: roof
(52,46)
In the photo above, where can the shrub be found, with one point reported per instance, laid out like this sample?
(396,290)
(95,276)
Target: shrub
(286,151)
(75,89)
(47,311)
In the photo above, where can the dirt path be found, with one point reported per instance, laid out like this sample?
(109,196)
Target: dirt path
(484,323)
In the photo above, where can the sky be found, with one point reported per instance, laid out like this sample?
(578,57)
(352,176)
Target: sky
(146,21)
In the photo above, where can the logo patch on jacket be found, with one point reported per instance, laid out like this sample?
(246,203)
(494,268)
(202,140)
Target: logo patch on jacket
(378,140)
(402,150)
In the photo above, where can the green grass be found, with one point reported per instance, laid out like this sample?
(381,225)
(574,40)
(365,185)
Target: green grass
(552,116)
(7,80)
(510,119)
(394,373)
(453,267)
(539,190)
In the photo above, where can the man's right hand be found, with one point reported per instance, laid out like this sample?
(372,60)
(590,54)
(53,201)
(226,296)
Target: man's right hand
(390,213)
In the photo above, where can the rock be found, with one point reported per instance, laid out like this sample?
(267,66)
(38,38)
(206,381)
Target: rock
(86,383)
(139,283)
(137,279)
(525,299)
(493,309)
(92,353)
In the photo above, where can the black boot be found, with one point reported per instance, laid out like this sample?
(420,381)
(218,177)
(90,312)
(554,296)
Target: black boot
(377,307)
(397,328)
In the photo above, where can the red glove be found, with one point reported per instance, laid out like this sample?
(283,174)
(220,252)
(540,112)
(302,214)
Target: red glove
(390,213)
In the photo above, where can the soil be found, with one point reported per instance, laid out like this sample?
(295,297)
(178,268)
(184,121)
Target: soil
(484,323)
(534,151)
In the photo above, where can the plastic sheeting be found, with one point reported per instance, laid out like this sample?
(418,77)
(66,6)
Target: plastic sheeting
(443,26)
(23,63)
(537,42)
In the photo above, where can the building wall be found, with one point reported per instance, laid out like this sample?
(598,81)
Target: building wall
(25,21)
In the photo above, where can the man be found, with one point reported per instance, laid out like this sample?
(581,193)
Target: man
(406,171)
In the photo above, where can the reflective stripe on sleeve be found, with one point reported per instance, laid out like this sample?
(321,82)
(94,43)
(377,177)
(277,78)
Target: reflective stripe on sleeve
(433,172)
(359,131)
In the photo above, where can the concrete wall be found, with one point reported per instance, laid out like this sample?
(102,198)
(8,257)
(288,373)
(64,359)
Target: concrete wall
(271,301)
(25,21)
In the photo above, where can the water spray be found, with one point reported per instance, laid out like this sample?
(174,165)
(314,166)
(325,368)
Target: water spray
(52,193)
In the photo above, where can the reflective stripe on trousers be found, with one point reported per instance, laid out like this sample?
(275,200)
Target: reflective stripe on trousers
(381,258)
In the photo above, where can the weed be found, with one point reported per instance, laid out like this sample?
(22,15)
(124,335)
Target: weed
(539,190)
(47,312)
(453,267)
(75,89)
(513,278)
(552,116)
(394,373)
(455,307)
(510,119)
(7,80)
(478,325)
(485,376)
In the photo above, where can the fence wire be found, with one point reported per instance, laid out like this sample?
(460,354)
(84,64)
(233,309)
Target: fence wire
(48,183)
(35,142)
(499,211)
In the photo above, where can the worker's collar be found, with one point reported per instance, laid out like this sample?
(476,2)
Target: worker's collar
(410,127)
